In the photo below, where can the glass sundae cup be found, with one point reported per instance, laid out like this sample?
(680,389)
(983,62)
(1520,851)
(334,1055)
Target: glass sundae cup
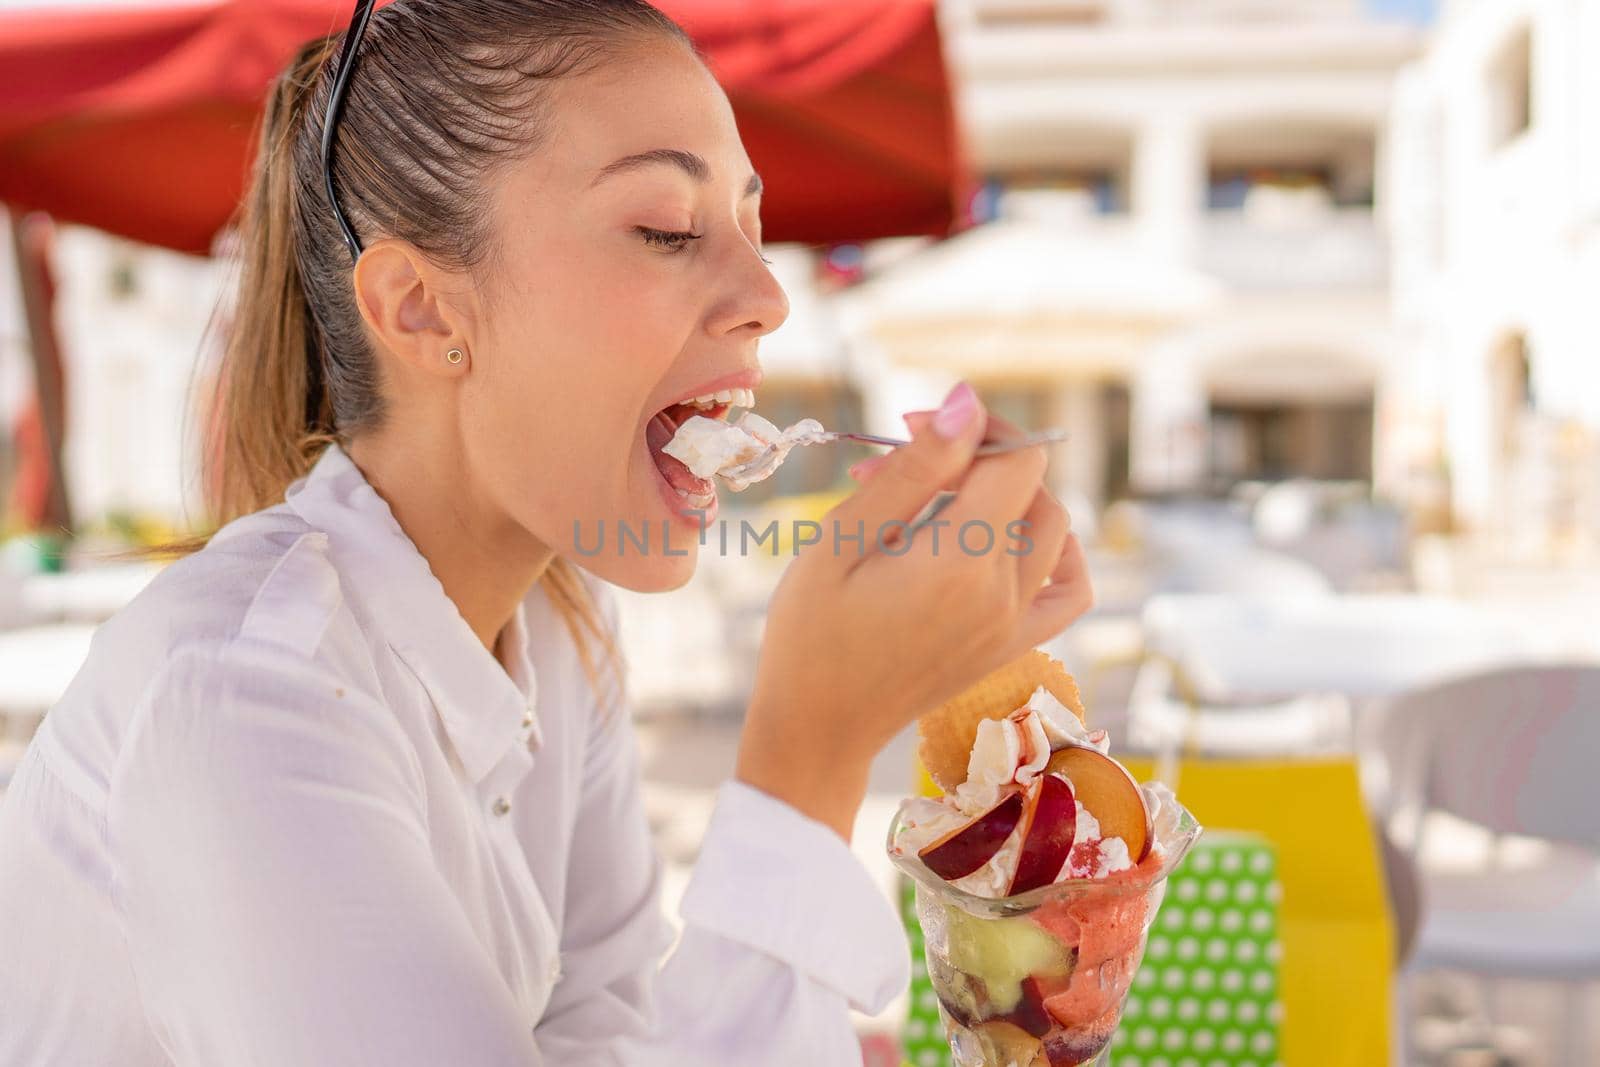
(1039,979)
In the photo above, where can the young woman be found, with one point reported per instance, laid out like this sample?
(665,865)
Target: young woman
(354,783)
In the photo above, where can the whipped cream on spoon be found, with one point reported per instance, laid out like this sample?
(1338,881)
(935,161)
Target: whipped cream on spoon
(740,453)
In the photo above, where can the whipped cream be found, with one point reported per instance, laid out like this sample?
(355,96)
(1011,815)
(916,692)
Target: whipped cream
(1164,813)
(731,450)
(1064,728)
(1014,751)
(1103,856)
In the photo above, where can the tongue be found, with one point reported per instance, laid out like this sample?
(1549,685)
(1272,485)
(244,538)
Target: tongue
(657,433)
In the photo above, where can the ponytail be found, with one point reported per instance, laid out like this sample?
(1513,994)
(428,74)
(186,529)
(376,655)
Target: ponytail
(272,414)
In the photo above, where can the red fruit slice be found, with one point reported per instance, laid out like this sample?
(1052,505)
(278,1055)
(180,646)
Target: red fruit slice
(1075,1050)
(1105,787)
(966,848)
(1030,1013)
(1051,820)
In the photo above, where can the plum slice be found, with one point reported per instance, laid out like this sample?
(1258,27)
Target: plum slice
(1105,787)
(1029,1013)
(968,847)
(1050,823)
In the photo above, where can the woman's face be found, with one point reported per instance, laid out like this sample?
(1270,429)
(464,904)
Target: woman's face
(597,318)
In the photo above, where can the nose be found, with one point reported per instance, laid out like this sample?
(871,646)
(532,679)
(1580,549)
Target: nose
(753,301)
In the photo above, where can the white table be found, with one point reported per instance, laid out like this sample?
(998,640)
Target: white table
(1233,648)
(1264,676)
(92,594)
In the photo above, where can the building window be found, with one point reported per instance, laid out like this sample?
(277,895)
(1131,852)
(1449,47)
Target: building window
(1230,188)
(1511,390)
(1274,441)
(1097,191)
(1283,162)
(1511,89)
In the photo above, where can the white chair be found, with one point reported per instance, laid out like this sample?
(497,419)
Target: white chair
(1513,752)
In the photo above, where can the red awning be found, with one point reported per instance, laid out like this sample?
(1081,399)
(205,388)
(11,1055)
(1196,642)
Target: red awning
(139,121)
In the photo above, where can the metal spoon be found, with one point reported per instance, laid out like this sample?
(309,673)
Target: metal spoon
(742,472)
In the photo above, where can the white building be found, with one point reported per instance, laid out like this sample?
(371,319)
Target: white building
(1496,214)
(1210,171)
(1190,272)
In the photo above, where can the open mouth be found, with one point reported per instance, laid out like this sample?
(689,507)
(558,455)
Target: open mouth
(694,490)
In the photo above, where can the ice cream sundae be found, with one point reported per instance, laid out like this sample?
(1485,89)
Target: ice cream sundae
(1038,870)
(740,453)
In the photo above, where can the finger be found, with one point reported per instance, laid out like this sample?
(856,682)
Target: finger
(912,473)
(1068,596)
(1043,534)
(917,422)
(997,429)
(998,489)
(987,536)
(861,470)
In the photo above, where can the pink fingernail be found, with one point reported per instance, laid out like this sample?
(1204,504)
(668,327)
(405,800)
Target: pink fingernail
(863,468)
(960,407)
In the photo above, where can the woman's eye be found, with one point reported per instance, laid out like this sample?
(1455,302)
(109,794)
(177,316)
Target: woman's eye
(674,240)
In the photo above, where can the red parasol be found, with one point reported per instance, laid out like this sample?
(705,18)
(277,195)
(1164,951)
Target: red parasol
(139,120)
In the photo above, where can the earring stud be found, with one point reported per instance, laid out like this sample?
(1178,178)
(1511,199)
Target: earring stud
(455,355)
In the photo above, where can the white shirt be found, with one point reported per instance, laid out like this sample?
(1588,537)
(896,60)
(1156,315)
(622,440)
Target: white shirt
(293,813)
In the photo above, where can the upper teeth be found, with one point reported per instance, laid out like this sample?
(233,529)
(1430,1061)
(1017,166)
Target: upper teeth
(744,398)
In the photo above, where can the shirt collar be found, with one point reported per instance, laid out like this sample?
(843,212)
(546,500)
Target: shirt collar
(483,707)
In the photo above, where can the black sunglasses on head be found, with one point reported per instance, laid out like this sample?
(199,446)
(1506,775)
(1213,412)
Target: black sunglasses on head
(330,122)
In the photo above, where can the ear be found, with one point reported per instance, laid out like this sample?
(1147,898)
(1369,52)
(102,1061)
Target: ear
(406,302)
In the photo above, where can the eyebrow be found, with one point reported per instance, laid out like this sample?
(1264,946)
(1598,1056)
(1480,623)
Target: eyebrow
(692,165)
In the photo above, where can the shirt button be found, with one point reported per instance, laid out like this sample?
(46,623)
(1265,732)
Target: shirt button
(527,720)
(501,806)
(555,969)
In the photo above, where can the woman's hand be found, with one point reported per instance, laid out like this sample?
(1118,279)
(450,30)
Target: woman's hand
(863,636)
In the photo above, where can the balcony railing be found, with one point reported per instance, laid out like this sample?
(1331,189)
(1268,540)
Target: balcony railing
(1339,249)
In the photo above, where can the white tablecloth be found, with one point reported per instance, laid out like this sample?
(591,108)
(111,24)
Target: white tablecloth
(1238,648)
(92,594)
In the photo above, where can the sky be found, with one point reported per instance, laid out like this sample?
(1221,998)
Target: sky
(1421,12)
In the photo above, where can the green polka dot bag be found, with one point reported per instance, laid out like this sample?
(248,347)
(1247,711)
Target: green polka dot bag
(923,1038)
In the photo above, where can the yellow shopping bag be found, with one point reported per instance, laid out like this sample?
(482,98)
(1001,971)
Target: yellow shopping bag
(1338,940)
